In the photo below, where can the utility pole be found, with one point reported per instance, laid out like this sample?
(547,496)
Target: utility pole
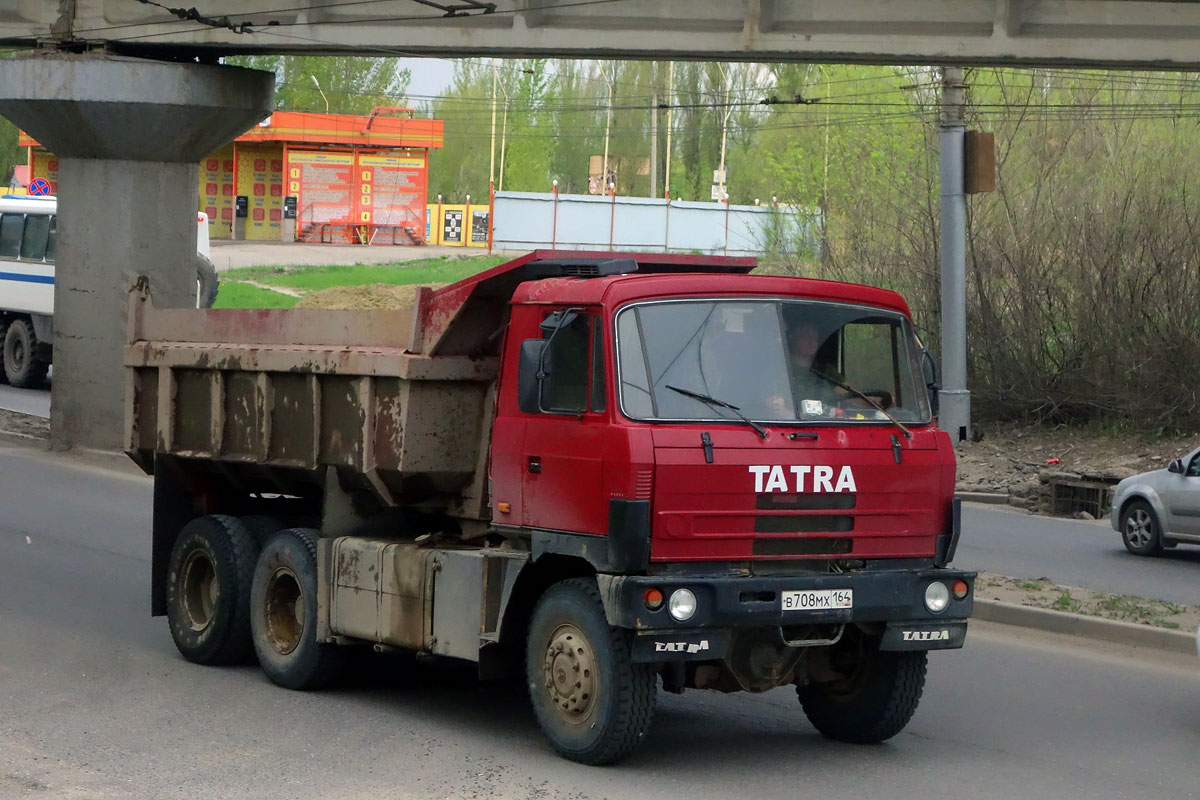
(492,163)
(670,104)
(654,144)
(954,414)
(724,130)
(607,125)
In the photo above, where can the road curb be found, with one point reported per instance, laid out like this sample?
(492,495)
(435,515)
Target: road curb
(1065,623)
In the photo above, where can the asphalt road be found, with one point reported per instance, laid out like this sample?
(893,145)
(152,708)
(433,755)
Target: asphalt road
(1074,553)
(35,402)
(95,702)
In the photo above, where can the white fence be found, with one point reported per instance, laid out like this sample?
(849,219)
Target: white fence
(529,220)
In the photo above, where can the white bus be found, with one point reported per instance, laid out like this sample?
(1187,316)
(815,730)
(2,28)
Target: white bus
(28,233)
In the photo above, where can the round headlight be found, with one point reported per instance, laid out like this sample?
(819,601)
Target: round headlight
(937,597)
(682,604)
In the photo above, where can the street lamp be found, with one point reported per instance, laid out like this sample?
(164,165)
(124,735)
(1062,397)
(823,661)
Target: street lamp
(322,91)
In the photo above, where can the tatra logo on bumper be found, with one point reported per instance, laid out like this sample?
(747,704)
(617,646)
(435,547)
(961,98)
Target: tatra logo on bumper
(681,647)
(817,478)
(913,635)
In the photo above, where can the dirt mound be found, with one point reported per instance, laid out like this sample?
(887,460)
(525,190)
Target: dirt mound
(379,296)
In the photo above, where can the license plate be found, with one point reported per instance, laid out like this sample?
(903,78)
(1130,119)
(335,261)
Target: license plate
(818,600)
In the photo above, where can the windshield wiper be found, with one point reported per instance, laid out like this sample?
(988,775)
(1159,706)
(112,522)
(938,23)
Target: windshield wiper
(715,403)
(907,433)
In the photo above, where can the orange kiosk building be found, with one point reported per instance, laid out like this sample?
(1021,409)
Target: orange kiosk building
(302,176)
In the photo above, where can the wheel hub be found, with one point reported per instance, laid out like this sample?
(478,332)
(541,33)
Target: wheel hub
(570,674)
(285,611)
(1137,528)
(201,588)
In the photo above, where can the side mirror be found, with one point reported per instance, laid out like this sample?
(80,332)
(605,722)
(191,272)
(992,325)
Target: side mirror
(1175,467)
(529,375)
(930,376)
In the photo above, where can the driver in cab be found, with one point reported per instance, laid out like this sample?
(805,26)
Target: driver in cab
(816,386)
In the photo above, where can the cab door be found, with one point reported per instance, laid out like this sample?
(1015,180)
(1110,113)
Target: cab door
(563,465)
(1181,495)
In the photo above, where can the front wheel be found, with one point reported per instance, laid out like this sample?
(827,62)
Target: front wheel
(1140,530)
(591,701)
(874,697)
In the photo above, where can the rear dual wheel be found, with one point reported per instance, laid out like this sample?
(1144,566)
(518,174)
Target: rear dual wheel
(208,590)
(283,617)
(209,577)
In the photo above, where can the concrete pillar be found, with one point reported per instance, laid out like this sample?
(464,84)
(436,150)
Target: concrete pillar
(129,134)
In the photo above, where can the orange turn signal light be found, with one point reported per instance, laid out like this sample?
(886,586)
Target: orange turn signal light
(504,508)
(653,599)
(960,589)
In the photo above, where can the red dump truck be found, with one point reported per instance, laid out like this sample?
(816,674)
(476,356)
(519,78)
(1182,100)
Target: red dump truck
(596,470)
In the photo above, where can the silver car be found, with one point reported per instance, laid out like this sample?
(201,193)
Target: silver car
(1159,509)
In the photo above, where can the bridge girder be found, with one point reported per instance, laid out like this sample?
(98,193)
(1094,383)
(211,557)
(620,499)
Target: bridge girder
(1160,34)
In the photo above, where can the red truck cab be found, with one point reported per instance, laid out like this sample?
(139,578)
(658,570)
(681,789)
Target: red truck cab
(730,492)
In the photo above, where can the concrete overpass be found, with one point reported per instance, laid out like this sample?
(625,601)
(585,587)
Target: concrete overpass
(1115,33)
(129,94)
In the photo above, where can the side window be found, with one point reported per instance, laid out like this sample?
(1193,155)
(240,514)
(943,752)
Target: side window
(1193,469)
(37,232)
(565,388)
(51,240)
(11,228)
(598,392)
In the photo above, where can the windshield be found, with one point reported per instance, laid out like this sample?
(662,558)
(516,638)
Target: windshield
(773,360)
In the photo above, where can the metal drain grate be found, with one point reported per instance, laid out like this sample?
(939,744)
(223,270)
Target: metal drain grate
(1070,496)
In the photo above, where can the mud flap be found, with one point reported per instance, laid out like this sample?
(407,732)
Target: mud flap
(948,635)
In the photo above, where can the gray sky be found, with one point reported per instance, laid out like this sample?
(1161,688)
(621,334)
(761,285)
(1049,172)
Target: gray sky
(429,77)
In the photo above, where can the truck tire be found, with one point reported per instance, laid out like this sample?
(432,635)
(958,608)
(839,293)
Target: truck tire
(207,283)
(208,590)
(3,331)
(283,613)
(874,702)
(591,701)
(22,367)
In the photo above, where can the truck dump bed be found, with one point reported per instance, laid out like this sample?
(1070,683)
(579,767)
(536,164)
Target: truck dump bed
(299,389)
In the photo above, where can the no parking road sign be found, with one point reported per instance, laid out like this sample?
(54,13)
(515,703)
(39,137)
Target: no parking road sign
(39,187)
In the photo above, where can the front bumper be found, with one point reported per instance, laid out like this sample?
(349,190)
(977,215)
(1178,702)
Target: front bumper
(711,644)
(726,604)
